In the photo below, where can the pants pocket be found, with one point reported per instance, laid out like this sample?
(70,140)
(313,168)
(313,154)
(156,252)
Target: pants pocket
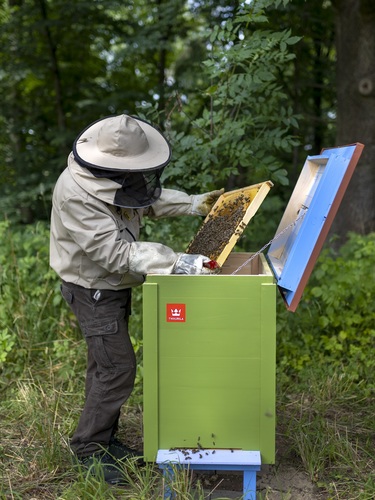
(110,344)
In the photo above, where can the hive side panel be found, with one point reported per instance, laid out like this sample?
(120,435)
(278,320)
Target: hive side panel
(150,371)
(268,373)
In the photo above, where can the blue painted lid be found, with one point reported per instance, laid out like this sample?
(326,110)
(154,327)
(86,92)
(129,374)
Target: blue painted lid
(308,218)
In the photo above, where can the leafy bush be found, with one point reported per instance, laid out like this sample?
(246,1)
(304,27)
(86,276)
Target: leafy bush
(38,333)
(30,310)
(335,321)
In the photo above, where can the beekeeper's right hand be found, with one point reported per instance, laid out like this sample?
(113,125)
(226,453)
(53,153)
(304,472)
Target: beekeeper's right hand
(155,258)
(191,264)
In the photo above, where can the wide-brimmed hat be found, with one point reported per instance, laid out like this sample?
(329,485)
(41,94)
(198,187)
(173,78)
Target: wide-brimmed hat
(121,143)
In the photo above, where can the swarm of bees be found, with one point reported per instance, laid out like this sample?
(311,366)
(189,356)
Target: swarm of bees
(200,450)
(219,226)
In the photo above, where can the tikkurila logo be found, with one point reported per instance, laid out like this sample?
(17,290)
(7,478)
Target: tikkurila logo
(176,312)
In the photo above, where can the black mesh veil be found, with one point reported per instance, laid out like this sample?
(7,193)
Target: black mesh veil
(139,189)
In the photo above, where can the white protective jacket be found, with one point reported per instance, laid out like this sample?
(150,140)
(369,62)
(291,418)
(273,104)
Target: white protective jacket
(94,243)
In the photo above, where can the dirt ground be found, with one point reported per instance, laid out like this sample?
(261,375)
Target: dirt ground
(274,482)
(286,480)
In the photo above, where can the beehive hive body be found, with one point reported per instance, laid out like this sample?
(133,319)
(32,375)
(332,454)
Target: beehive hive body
(210,375)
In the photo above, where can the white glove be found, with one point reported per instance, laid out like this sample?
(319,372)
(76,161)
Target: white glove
(202,203)
(155,258)
(151,258)
(191,264)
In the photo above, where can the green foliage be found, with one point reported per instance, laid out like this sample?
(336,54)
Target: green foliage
(64,65)
(38,81)
(334,322)
(232,131)
(6,345)
(310,81)
(223,66)
(30,309)
(38,333)
(245,120)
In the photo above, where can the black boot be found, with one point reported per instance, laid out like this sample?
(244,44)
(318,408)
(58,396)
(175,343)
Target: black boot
(104,465)
(120,451)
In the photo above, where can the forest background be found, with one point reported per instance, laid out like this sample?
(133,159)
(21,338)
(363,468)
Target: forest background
(243,90)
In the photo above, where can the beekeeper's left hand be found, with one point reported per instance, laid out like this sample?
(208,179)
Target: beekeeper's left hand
(202,203)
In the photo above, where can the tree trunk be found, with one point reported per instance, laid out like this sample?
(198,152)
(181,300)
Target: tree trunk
(52,51)
(355,46)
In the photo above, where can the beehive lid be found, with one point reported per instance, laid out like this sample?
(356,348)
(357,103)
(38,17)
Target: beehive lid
(227,220)
(308,218)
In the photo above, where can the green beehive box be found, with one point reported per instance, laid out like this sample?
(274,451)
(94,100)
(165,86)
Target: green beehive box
(209,360)
(210,340)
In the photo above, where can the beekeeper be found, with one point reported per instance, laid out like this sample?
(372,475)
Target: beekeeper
(112,180)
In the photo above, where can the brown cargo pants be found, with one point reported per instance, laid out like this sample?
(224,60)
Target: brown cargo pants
(103,318)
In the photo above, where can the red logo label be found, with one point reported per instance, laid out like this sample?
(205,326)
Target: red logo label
(176,312)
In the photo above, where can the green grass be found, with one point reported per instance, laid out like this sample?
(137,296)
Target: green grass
(324,426)
(325,409)
(329,426)
(36,463)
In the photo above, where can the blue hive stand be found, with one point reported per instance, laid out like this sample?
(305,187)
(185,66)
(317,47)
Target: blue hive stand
(210,459)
